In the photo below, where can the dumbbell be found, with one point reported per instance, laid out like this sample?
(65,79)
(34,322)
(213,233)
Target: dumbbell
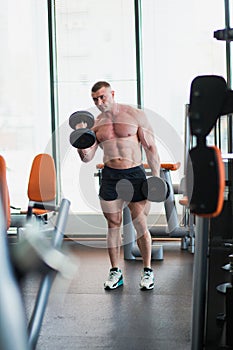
(155,189)
(82,137)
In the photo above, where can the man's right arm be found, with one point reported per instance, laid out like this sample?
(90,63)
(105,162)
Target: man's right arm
(87,154)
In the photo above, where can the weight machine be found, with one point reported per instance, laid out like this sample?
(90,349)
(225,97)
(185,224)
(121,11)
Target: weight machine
(212,311)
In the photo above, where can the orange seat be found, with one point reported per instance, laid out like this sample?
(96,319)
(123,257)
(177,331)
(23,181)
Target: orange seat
(41,187)
(167,166)
(42,181)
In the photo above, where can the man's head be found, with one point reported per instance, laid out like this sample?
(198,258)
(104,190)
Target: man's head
(102,95)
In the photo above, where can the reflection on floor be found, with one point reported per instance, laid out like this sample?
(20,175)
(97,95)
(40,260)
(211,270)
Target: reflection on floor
(82,315)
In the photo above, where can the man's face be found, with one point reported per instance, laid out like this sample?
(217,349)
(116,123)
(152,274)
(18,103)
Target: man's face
(103,99)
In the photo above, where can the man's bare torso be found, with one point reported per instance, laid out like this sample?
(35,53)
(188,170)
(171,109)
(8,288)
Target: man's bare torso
(117,134)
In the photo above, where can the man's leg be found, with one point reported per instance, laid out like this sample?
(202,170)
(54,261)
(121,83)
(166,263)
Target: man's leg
(144,244)
(114,238)
(139,213)
(112,211)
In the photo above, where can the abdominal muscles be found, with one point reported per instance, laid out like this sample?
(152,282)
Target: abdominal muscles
(122,153)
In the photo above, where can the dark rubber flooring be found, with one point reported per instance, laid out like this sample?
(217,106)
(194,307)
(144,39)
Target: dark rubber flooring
(82,315)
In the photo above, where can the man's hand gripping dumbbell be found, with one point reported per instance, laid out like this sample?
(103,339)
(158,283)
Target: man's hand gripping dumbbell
(83,138)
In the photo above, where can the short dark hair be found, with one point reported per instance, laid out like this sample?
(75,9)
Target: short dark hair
(99,85)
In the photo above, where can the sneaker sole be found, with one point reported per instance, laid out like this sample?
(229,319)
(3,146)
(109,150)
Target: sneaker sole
(119,284)
(146,288)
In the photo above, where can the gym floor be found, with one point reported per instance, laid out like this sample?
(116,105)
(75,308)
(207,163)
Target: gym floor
(82,315)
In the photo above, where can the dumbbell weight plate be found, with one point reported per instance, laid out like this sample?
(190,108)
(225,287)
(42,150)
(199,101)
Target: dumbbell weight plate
(81,116)
(82,138)
(155,189)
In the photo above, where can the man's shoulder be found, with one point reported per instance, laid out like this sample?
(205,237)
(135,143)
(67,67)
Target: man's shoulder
(133,111)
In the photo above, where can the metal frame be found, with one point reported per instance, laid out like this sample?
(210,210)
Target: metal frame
(201,261)
(54,92)
(13,330)
(229,84)
(199,283)
(138,39)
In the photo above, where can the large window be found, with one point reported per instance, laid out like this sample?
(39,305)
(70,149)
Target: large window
(95,41)
(25,96)
(178,45)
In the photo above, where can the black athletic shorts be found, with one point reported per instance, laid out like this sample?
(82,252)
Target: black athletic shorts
(122,183)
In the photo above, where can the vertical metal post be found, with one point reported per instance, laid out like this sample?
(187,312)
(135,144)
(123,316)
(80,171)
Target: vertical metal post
(228,43)
(199,284)
(128,228)
(54,92)
(229,84)
(187,136)
(138,38)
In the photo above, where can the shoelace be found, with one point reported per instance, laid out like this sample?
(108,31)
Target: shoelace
(146,275)
(112,275)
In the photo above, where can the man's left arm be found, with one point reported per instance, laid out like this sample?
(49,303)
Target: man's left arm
(146,137)
(153,159)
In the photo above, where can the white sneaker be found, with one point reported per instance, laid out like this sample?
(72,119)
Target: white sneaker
(115,279)
(147,280)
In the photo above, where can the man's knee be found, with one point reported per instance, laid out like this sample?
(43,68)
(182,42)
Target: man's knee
(140,223)
(114,220)
(144,234)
